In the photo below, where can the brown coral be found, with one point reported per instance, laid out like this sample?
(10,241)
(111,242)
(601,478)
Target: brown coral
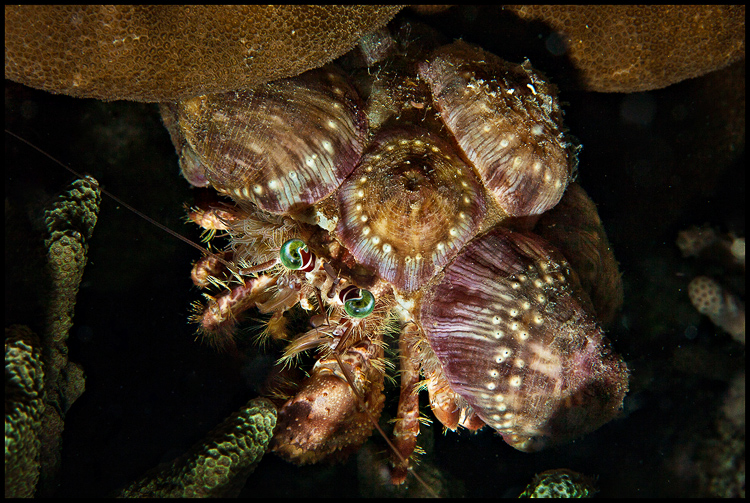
(164,53)
(638,48)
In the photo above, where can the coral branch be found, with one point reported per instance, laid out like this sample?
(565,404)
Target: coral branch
(218,465)
(724,308)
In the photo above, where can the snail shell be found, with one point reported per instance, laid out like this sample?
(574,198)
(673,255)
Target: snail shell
(283,145)
(508,122)
(506,321)
(409,207)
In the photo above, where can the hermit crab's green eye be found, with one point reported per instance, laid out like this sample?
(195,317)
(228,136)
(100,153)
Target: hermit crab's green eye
(358,302)
(295,255)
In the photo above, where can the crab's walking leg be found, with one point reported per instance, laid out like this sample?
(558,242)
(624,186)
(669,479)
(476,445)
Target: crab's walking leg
(218,319)
(407,419)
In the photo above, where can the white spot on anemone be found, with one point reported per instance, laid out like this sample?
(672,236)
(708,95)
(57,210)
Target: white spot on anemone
(503,354)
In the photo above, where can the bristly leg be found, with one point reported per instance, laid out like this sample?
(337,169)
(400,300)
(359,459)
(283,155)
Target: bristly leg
(406,429)
(218,320)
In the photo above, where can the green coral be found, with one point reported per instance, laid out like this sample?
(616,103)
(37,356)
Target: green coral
(218,465)
(559,483)
(24,406)
(40,382)
(70,223)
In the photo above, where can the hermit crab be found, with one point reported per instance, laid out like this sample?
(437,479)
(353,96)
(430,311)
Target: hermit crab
(409,188)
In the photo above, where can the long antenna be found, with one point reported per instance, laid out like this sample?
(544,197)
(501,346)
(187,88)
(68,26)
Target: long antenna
(118,200)
(231,268)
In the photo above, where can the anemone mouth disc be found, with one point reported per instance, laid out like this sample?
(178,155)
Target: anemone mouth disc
(409,207)
(284,144)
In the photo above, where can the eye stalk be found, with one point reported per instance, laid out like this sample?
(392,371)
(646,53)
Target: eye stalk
(295,255)
(358,302)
